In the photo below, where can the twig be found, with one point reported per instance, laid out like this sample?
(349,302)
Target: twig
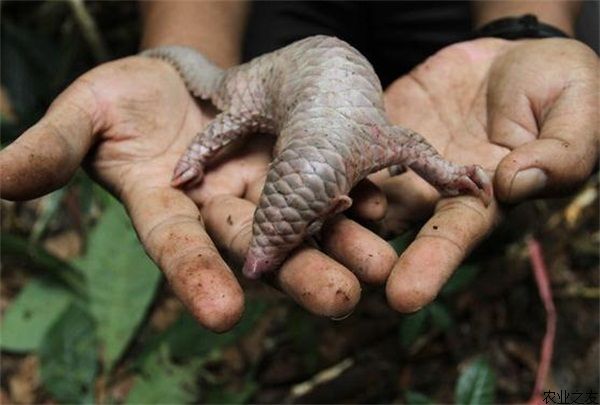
(88,28)
(543,283)
(322,377)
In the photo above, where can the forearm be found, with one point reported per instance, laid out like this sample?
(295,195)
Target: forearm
(559,13)
(215,28)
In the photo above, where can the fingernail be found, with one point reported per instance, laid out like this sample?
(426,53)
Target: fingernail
(527,183)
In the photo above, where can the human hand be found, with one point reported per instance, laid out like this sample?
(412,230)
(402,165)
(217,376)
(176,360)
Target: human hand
(526,111)
(129,121)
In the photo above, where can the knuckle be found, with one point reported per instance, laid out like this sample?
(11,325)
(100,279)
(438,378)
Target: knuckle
(169,244)
(229,223)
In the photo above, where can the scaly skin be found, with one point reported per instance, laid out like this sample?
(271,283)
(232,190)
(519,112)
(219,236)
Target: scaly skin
(324,100)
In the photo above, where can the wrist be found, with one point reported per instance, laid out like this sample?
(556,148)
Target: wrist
(214,28)
(522,27)
(559,14)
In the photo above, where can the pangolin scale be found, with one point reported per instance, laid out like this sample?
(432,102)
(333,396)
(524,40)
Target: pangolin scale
(324,101)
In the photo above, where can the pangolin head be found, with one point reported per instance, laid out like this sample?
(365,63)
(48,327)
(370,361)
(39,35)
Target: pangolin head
(299,194)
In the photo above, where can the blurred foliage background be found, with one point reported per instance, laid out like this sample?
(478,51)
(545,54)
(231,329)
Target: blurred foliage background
(86,317)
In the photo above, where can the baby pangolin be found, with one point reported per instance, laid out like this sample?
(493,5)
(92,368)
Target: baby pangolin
(323,99)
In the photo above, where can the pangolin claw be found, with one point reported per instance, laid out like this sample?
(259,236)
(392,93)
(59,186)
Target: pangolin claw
(184,173)
(476,182)
(255,267)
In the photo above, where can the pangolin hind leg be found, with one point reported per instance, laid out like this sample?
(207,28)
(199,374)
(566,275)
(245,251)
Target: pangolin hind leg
(411,150)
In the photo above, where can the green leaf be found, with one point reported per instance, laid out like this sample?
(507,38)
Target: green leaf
(220,395)
(68,357)
(87,192)
(476,384)
(162,381)
(186,338)
(31,314)
(416,398)
(121,281)
(100,195)
(441,318)
(461,279)
(412,326)
(52,267)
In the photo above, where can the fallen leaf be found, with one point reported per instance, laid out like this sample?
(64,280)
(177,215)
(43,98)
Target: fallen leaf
(65,245)
(24,383)
(580,202)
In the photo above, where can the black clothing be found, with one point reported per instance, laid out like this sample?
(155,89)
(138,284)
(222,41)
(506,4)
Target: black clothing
(394,36)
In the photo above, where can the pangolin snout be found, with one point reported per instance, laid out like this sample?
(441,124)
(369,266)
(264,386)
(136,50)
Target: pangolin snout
(254,266)
(276,232)
(258,263)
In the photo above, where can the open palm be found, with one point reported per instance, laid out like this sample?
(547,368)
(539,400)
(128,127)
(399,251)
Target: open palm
(129,121)
(526,111)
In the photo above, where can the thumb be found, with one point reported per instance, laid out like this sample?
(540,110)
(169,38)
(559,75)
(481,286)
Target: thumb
(46,156)
(545,167)
(549,118)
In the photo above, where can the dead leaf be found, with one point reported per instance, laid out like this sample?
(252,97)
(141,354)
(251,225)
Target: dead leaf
(65,245)
(24,383)
(166,313)
(584,199)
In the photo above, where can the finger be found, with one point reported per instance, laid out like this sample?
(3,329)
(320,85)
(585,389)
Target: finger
(360,250)
(369,202)
(563,156)
(441,245)
(47,155)
(170,227)
(546,167)
(312,279)
(410,199)
(254,189)
(416,197)
(550,119)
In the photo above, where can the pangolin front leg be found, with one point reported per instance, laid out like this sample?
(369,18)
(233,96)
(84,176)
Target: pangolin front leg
(224,129)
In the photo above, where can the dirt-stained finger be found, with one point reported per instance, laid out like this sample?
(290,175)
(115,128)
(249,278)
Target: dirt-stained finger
(318,283)
(170,227)
(47,155)
(312,279)
(439,248)
(547,113)
(369,201)
(360,250)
